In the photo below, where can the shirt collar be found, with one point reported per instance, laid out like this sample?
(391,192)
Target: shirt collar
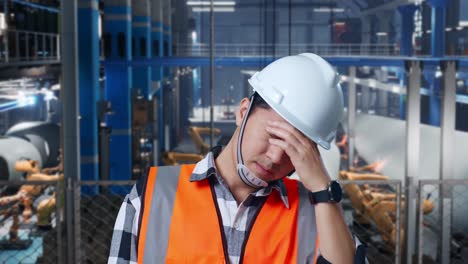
(206,168)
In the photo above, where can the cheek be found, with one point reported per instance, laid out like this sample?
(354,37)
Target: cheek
(254,146)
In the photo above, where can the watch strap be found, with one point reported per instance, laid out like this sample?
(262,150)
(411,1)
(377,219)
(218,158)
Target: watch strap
(319,197)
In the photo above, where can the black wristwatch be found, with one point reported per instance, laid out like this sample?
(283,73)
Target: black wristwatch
(332,194)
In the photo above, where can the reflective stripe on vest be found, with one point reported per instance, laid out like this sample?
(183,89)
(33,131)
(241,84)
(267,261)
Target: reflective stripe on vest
(180,224)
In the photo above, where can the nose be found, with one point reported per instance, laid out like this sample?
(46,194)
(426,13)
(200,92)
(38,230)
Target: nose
(275,154)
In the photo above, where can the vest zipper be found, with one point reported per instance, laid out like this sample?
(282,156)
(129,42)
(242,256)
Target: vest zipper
(220,222)
(249,229)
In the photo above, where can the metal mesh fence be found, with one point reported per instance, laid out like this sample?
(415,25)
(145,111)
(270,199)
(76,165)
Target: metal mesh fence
(29,226)
(373,211)
(443,232)
(97,204)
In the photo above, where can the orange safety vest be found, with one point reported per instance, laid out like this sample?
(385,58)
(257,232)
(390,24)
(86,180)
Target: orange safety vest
(180,222)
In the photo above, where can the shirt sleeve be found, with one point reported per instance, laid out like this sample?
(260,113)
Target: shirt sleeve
(124,238)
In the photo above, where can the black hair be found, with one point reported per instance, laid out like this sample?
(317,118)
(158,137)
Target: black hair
(259,102)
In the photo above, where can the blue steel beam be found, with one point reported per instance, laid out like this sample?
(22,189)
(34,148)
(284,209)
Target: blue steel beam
(407,29)
(118,24)
(88,50)
(439,8)
(261,61)
(141,33)
(253,61)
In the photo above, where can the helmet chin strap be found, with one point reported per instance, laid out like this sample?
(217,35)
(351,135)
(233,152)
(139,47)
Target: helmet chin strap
(244,173)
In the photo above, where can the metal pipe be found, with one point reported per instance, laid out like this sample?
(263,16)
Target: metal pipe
(27,46)
(420,221)
(51,45)
(447,145)
(77,218)
(398,225)
(211,74)
(43,45)
(412,150)
(58,48)
(58,199)
(70,99)
(36,45)
(17,52)
(351,114)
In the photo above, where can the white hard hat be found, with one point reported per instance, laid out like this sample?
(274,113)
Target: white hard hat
(303,89)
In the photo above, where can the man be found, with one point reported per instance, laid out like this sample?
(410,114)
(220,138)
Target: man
(236,205)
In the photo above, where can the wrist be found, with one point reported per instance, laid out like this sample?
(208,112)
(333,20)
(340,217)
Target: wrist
(317,185)
(332,194)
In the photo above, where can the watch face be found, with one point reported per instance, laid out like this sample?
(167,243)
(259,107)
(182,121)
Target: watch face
(336,192)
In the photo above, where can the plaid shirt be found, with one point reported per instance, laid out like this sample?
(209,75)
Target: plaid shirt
(235,217)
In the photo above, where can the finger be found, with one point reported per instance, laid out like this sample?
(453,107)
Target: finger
(315,149)
(286,126)
(283,134)
(290,150)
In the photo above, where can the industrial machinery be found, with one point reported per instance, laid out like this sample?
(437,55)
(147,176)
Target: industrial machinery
(24,150)
(38,141)
(142,135)
(195,152)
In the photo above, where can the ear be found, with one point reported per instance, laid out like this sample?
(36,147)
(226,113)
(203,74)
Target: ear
(242,110)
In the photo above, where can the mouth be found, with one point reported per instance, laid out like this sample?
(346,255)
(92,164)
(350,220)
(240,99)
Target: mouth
(262,170)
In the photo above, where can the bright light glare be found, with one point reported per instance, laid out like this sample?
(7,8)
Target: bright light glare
(215,9)
(463,23)
(49,95)
(2,21)
(207,3)
(24,100)
(327,10)
(396,89)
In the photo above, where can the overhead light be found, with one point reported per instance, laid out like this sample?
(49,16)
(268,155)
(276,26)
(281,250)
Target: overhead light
(49,95)
(327,10)
(396,89)
(24,100)
(428,31)
(339,23)
(3,25)
(448,29)
(381,33)
(99,26)
(459,28)
(463,23)
(207,3)
(215,9)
